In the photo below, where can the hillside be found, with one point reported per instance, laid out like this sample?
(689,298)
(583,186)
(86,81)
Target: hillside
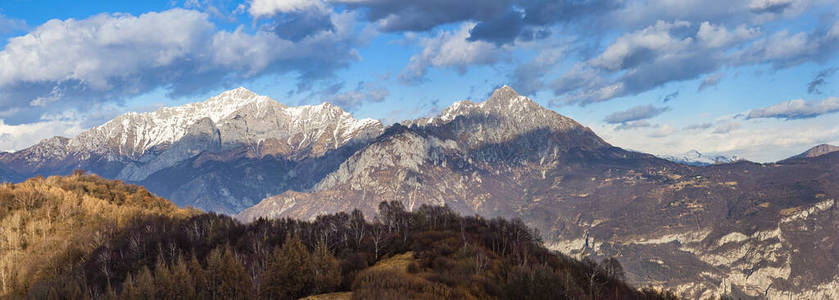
(736,228)
(51,225)
(117,241)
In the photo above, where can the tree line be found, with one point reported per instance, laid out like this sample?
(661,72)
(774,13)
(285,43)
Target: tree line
(210,256)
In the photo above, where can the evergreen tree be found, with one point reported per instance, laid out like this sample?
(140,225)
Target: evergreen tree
(145,284)
(288,273)
(182,280)
(129,290)
(326,269)
(227,276)
(164,283)
(200,285)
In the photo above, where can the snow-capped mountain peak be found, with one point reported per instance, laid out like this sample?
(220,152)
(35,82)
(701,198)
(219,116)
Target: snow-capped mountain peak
(696,158)
(132,134)
(237,117)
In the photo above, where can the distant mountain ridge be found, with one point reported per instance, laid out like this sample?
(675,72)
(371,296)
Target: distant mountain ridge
(817,151)
(696,158)
(724,228)
(739,228)
(234,124)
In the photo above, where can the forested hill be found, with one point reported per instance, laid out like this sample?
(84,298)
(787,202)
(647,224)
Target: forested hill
(50,227)
(82,237)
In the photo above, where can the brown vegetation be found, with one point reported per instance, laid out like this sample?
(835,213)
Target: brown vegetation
(82,237)
(48,226)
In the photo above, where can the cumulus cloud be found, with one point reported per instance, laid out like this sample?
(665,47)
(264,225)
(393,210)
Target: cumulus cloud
(108,57)
(796,109)
(67,123)
(638,61)
(666,52)
(636,113)
(263,8)
(497,21)
(813,85)
(784,49)
(450,49)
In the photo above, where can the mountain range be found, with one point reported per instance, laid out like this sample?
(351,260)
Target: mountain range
(223,154)
(696,158)
(732,227)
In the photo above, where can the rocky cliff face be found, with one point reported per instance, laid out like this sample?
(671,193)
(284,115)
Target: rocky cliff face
(236,125)
(751,230)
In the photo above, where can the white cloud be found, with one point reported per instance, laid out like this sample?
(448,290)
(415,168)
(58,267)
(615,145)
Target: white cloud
(451,50)
(262,8)
(796,109)
(784,49)
(666,52)
(17,137)
(640,46)
(97,49)
(718,36)
(108,57)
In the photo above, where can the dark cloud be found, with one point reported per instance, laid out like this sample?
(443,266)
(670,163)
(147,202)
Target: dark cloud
(670,97)
(636,113)
(796,109)
(813,86)
(299,25)
(498,21)
(502,30)
(769,6)
(398,15)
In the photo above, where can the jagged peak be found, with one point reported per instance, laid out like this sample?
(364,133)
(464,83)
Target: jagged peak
(504,101)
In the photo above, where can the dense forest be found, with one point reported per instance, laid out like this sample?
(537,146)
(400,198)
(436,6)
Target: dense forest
(83,237)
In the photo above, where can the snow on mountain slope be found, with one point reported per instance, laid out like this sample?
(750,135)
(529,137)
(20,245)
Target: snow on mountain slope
(132,134)
(695,158)
(235,118)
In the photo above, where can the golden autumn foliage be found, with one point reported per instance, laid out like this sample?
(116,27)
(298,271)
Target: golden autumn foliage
(49,225)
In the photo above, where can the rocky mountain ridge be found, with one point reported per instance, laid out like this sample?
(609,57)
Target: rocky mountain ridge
(236,124)
(817,151)
(738,228)
(696,158)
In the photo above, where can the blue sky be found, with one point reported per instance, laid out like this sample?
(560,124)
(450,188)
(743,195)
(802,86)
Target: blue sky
(755,78)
